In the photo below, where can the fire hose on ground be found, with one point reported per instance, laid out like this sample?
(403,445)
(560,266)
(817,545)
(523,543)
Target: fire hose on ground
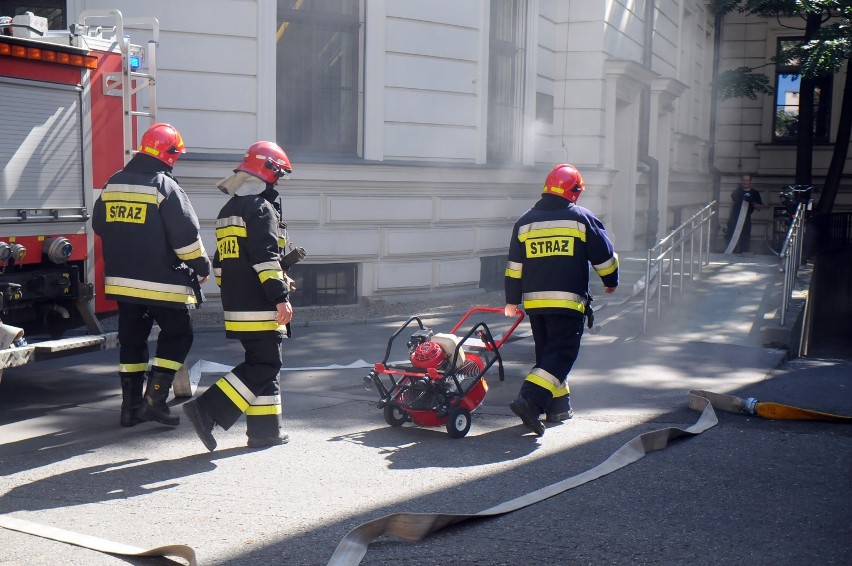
(417,526)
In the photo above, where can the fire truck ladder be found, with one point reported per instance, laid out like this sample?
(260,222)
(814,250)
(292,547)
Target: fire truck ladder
(114,83)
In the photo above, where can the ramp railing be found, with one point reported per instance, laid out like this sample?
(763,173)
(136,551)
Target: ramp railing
(680,256)
(791,257)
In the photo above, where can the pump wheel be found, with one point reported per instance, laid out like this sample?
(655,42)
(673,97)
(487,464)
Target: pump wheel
(394,416)
(458,423)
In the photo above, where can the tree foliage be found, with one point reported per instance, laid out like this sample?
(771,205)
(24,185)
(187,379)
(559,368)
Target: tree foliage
(826,29)
(742,82)
(825,53)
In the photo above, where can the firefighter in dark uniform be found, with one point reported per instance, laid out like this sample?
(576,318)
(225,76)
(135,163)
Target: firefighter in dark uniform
(250,239)
(153,257)
(552,246)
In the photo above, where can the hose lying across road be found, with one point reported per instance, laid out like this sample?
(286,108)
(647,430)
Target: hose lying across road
(417,526)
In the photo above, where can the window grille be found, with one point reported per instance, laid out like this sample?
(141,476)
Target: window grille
(506,67)
(317,75)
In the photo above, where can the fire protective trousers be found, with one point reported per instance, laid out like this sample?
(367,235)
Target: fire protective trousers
(173,343)
(251,387)
(557,344)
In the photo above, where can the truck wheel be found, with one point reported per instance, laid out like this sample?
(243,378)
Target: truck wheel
(458,423)
(394,416)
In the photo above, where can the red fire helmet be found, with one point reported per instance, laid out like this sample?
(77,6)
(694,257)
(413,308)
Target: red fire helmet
(564,180)
(163,142)
(267,161)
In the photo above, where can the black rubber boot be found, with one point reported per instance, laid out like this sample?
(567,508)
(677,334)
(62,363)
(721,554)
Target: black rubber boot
(528,414)
(202,422)
(559,410)
(264,431)
(265,442)
(131,400)
(154,407)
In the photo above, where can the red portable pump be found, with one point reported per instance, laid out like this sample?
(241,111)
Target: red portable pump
(443,381)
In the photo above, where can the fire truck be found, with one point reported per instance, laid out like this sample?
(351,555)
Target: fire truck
(68,120)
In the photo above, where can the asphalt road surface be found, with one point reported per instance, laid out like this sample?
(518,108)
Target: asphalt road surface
(747,491)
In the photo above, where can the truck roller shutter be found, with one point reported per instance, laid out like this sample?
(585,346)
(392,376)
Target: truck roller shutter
(41,161)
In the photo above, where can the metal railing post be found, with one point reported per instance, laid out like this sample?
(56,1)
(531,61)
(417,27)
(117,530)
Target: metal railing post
(662,256)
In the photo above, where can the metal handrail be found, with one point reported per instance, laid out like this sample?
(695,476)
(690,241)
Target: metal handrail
(661,257)
(791,257)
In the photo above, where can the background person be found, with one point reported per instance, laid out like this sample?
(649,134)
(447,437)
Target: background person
(149,233)
(551,248)
(744,192)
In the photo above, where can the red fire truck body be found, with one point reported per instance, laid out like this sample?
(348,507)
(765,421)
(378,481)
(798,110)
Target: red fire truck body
(68,123)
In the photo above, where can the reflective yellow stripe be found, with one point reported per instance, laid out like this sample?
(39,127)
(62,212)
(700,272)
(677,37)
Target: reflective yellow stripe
(514,269)
(541,382)
(266,266)
(130,368)
(553,232)
(243,326)
(607,267)
(168,364)
(149,290)
(139,193)
(554,299)
(271,274)
(552,228)
(232,394)
(218,281)
(265,405)
(251,321)
(190,255)
(265,410)
(153,295)
(554,303)
(192,251)
(562,390)
(129,197)
(238,231)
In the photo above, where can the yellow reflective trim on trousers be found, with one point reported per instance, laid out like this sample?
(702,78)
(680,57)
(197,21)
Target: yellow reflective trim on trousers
(554,303)
(541,382)
(153,295)
(271,274)
(239,231)
(561,391)
(131,368)
(168,364)
(232,394)
(250,326)
(263,410)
